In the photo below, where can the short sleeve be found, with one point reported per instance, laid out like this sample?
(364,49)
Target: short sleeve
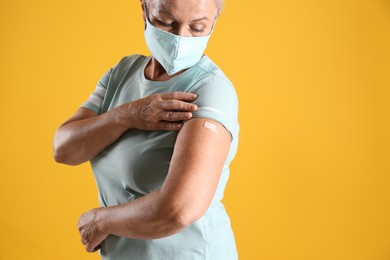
(95,100)
(217,100)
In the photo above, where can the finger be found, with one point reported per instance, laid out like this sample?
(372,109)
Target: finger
(97,248)
(185,96)
(83,237)
(92,246)
(172,116)
(177,105)
(169,126)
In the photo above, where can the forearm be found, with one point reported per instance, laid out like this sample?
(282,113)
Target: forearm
(86,134)
(184,197)
(79,141)
(145,218)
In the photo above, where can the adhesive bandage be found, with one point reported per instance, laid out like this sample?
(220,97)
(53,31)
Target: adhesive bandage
(210,126)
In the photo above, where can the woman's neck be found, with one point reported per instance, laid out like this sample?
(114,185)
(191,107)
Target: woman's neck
(154,71)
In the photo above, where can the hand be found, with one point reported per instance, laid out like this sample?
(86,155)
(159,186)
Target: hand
(163,111)
(90,230)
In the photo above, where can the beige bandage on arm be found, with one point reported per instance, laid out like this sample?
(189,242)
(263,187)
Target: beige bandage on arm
(210,126)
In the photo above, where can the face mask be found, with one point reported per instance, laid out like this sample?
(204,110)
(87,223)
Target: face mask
(173,52)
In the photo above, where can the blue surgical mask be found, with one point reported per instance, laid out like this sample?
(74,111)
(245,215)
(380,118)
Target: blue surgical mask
(173,52)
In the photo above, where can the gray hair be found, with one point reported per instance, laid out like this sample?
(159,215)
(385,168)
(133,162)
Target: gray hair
(219,4)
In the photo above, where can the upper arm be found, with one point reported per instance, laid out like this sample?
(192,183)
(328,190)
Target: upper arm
(201,149)
(80,114)
(197,161)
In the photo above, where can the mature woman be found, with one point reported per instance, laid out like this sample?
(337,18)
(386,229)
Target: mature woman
(160,133)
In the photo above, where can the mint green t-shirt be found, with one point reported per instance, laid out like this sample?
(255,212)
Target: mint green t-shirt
(138,162)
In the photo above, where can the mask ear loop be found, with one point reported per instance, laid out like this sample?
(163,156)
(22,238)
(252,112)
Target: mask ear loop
(214,23)
(146,14)
(212,28)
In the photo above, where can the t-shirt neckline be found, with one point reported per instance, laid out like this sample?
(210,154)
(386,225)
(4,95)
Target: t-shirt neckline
(169,81)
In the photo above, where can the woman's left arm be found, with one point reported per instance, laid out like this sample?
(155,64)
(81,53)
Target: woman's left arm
(200,151)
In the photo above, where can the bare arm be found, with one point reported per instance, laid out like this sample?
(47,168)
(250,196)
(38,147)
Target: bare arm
(195,168)
(86,134)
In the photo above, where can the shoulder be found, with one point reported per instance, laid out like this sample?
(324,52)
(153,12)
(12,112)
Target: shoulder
(125,64)
(207,69)
(129,62)
(208,74)
(217,97)
(213,79)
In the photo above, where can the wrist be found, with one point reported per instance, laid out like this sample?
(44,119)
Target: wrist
(126,116)
(103,218)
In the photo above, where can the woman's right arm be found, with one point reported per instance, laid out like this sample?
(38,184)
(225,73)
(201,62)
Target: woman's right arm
(86,134)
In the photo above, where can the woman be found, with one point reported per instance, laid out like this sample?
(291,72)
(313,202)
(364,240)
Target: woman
(160,133)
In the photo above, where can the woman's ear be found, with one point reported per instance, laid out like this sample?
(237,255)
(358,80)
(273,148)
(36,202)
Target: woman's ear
(143,11)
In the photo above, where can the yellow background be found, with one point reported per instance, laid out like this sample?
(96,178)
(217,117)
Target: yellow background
(311,178)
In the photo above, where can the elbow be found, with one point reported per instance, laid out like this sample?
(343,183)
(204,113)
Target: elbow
(185,216)
(183,220)
(178,213)
(61,157)
(58,158)
(60,154)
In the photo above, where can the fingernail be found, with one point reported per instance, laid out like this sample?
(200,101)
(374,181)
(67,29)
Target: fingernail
(194,95)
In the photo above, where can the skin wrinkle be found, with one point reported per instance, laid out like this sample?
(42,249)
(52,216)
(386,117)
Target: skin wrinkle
(218,3)
(170,12)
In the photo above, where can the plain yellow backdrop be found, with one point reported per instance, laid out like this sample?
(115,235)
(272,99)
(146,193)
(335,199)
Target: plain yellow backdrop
(311,180)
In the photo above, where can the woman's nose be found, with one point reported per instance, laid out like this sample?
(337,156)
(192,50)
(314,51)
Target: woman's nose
(182,31)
